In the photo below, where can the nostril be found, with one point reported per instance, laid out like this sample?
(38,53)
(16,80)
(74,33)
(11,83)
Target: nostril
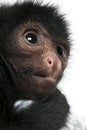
(49,61)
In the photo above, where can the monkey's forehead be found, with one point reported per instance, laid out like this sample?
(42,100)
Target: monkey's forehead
(30,11)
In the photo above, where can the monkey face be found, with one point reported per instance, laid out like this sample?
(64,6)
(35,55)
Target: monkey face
(36,48)
(36,60)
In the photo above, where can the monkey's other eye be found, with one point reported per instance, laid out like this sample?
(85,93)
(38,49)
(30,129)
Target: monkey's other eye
(31,38)
(60,51)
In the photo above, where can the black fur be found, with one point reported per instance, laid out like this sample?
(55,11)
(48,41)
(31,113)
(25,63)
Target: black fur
(50,112)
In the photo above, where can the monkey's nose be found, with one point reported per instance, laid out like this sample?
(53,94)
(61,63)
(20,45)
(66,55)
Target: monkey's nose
(52,62)
(49,61)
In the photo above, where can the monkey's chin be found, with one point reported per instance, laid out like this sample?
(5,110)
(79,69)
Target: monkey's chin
(45,85)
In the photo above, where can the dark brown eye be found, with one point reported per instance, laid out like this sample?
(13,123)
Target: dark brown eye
(31,38)
(60,51)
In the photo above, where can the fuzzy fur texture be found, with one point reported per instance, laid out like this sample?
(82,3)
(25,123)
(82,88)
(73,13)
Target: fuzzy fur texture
(47,113)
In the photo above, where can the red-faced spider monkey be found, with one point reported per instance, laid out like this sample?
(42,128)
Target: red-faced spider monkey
(34,49)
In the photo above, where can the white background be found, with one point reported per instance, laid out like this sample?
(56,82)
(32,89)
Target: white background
(74,83)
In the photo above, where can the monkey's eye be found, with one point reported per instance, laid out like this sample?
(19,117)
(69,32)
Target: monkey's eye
(31,38)
(60,51)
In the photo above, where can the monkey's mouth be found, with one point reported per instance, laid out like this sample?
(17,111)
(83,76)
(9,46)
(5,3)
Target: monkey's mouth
(44,79)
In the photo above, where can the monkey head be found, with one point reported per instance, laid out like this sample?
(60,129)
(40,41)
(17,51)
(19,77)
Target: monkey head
(36,48)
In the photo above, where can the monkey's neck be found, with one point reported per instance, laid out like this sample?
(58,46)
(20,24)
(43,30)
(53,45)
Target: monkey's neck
(50,111)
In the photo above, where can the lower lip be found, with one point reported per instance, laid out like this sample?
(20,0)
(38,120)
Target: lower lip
(43,79)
